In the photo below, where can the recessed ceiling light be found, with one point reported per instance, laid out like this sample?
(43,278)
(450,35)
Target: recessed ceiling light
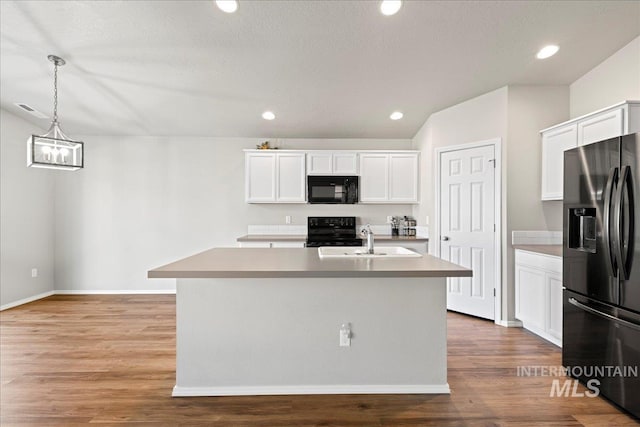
(396,115)
(547,51)
(268,115)
(390,7)
(228,6)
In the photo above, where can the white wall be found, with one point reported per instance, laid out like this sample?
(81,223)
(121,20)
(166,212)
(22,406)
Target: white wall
(478,119)
(26,215)
(142,202)
(615,79)
(515,114)
(530,108)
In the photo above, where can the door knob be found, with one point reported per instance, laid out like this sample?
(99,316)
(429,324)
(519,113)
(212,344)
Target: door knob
(444,238)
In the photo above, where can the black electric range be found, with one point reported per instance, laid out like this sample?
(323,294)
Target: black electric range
(332,231)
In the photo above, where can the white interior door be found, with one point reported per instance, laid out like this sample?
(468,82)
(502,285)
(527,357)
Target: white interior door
(467,227)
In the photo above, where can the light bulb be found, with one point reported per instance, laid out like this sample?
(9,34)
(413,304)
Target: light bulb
(396,115)
(46,150)
(268,115)
(547,51)
(64,152)
(390,7)
(228,6)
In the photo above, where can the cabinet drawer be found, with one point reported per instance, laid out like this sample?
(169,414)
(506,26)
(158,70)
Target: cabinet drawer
(540,261)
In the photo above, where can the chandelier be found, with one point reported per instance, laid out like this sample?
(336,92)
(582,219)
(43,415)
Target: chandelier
(54,149)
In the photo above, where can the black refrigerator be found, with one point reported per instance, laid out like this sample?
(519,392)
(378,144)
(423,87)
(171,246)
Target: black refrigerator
(601,268)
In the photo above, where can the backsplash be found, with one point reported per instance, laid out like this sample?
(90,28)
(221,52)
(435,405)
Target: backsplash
(536,238)
(382,229)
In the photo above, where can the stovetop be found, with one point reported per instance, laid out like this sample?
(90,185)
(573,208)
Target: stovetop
(332,231)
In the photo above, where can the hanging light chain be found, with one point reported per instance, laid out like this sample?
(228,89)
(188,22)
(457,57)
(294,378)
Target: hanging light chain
(55,91)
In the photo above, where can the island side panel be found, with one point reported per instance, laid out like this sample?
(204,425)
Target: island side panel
(281,336)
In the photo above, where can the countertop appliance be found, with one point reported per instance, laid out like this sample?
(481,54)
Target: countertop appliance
(601,268)
(332,189)
(332,231)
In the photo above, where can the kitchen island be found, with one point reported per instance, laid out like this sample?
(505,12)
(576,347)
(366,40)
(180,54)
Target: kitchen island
(254,321)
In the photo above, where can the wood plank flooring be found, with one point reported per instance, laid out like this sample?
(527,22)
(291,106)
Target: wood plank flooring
(110,360)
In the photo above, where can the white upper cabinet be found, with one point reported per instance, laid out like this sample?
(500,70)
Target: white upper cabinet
(403,178)
(374,178)
(345,163)
(260,177)
(275,177)
(554,144)
(389,177)
(332,163)
(319,163)
(280,176)
(290,178)
(619,119)
(603,126)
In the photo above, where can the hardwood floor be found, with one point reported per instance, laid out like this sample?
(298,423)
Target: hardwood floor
(72,360)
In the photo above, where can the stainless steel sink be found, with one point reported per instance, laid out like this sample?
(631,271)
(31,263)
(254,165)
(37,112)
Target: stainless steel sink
(360,252)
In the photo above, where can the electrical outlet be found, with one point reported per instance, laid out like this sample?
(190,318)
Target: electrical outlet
(345,335)
(34,272)
(287,219)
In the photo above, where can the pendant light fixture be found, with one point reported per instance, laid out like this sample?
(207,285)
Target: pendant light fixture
(54,149)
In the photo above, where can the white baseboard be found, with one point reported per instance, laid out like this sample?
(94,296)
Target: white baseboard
(88,292)
(510,323)
(113,292)
(26,300)
(179,391)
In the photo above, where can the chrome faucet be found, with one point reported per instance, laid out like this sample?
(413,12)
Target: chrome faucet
(366,231)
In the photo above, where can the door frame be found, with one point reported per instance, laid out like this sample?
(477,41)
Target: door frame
(497,149)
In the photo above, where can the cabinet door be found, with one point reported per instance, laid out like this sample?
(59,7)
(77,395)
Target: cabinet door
(319,163)
(554,305)
(530,297)
(403,178)
(290,178)
(554,144)
(374,178)
(345,164)
(603,126)
(260,177)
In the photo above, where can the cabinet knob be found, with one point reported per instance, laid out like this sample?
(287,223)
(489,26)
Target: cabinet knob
(444,238)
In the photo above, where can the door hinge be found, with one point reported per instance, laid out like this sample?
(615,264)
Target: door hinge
(494,228)
(493,161)
(494,292)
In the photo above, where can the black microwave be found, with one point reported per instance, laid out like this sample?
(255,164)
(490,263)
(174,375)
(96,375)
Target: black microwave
(332,189)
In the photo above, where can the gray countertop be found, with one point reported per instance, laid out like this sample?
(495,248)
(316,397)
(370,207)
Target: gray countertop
(554,250)
(299,262)
(303,238)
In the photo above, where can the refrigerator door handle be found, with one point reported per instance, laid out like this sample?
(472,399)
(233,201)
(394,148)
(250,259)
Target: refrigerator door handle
(588,309)
(608,193)
(618,244)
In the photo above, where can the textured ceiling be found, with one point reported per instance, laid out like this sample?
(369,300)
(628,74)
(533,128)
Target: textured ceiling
(326,68)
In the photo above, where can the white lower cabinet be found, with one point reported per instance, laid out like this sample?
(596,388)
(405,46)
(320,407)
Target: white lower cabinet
(539,294)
